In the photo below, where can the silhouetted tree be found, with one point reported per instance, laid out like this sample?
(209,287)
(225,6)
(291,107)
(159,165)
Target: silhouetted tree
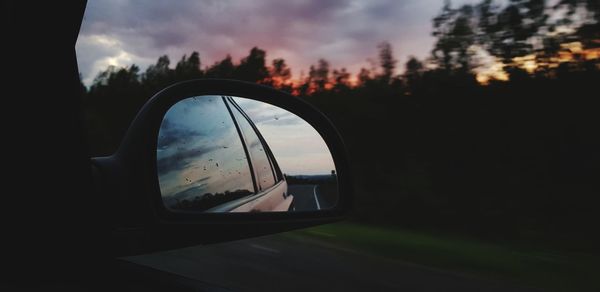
(508,33)
(318,77)
(221,69)
(341,80)
(583,16)
(442,25)
(455,33)
(413,72)
(157,76)
(510,159)
(253,67)
(386,61)
(281,75)
(364,77)
(188,68)
(113,100)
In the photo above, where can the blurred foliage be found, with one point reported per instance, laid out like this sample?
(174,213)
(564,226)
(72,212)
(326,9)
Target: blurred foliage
(434,148)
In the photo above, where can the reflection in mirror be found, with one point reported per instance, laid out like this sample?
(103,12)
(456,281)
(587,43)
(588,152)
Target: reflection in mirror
(232,154)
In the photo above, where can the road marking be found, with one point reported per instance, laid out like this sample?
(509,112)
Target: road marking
(316,200)
(264,248)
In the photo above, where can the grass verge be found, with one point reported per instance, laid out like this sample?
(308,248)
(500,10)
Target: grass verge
(550,270)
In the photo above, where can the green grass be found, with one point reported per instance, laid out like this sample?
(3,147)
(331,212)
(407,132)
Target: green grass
(551,270)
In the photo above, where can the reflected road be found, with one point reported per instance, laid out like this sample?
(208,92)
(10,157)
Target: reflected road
(306,197)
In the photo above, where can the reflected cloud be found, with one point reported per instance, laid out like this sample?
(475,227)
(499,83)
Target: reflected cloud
(199,151)
(183,157)
(171,135)
(202,164)
(261,113)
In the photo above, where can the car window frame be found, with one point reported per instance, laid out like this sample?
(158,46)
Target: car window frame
(275,171)
(277,175)
(244,146)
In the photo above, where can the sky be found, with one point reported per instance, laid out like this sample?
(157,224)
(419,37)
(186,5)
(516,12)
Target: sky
(344,32)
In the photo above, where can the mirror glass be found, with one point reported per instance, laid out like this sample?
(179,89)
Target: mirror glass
(233,154)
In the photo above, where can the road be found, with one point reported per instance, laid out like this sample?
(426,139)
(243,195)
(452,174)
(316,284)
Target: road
(304,263)
(306,197)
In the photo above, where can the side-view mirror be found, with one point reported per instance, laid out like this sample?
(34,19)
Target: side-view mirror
(214,160)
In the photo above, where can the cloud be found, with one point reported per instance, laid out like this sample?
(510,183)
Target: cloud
(345,32)
(95,52)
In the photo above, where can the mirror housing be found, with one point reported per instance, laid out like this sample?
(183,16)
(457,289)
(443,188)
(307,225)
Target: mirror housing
(128,182)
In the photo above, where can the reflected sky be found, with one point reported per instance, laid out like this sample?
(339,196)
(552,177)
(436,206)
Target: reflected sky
(297,146)
(199,151)
(200,155)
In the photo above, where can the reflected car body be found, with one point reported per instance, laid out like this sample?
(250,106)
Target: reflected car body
(275,199)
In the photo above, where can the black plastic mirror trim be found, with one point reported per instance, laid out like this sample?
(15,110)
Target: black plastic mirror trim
(131,178)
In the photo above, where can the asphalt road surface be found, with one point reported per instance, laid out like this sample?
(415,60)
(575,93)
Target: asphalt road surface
(295,263)
(306,197)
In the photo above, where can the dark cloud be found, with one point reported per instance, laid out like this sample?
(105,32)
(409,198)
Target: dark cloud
(170,135)
(182,158)
(345,32)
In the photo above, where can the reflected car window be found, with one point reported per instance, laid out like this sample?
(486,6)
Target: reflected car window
(201,162)
(260,160)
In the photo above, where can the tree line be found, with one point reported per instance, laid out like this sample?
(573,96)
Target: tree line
(441,146)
